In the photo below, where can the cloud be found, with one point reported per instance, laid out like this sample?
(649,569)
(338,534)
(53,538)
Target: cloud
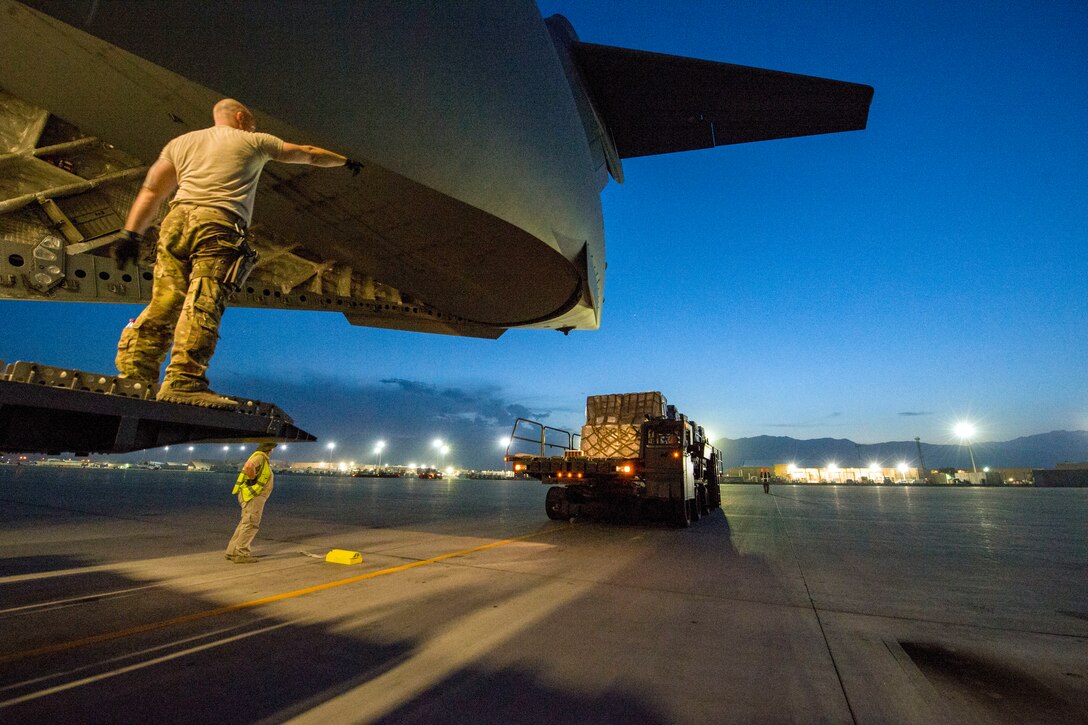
(916,412)
(407,414)
(482,404)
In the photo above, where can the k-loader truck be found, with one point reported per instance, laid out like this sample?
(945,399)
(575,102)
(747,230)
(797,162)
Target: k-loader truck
(636,457)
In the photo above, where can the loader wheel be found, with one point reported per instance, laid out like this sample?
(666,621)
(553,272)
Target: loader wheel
(555,503)
(681,514)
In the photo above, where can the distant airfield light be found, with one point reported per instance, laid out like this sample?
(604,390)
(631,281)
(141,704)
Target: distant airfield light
(190,449)
(832,467)
(330,445)
(412,465)
(965,430)
(792,467)
(874,466)
(437,443)
(985,469)
(902,467)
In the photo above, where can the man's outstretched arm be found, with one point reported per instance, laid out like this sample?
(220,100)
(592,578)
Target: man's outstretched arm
(296,154)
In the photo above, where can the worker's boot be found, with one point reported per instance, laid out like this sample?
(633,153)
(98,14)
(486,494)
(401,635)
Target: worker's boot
(202,398)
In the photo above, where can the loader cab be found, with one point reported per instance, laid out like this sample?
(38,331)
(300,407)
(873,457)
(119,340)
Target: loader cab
(666,464)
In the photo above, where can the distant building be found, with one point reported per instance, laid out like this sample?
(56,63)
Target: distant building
(1060,477)
(984,477)
(832,473)
(824,474)
(1015,476)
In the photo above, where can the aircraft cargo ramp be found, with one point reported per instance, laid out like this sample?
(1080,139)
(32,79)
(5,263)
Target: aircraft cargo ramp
(52,410)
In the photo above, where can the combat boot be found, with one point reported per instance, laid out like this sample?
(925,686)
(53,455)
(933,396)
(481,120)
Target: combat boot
(201,398)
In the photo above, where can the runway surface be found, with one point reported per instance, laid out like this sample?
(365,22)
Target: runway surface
(810,604)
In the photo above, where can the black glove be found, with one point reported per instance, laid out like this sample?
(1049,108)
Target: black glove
(126,248)
(353,166)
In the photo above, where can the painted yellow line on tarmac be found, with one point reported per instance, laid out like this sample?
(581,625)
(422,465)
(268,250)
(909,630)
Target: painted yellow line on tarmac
(219,611)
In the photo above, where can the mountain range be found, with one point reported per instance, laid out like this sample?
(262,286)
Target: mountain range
(1044,450)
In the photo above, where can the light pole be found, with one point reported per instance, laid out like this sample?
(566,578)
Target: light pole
(965,431)
(440,447)
(190,455)
(378,447)
(166,456)
(331,446)
(903,468)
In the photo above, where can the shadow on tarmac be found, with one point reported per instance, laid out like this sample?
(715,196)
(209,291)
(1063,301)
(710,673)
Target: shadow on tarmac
(243,667)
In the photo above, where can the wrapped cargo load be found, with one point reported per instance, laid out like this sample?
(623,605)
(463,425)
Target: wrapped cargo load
(624,408)
(610,441)
(613,423)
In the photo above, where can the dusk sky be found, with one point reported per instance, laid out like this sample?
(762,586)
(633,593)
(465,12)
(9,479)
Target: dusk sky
(875,285)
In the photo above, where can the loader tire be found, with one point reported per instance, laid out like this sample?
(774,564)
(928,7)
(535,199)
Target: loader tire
(555,503)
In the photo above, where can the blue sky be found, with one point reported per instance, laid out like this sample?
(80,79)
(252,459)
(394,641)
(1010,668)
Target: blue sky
(875,285)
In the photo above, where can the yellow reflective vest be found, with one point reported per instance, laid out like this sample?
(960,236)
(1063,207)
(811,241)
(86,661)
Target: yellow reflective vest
(253,487)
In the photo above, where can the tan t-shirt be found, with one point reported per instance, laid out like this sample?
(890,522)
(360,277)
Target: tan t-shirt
(220,167)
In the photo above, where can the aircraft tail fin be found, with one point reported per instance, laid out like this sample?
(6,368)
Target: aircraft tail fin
(656,104)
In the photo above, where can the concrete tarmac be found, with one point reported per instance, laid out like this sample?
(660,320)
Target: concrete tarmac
(808,604)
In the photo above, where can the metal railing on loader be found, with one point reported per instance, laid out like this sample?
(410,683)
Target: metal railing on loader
(524,426)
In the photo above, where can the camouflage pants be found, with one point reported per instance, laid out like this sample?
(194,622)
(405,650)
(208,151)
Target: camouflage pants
(197,245)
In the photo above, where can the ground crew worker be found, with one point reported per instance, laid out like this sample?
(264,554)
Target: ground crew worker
(201,246)
(253,488)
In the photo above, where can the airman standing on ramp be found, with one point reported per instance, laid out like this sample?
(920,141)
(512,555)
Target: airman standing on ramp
(202,253)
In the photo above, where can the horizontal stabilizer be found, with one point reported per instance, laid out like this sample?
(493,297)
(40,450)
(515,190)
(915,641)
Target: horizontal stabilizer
(658,104)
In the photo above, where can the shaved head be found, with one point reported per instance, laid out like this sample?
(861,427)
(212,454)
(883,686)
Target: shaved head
(229,112)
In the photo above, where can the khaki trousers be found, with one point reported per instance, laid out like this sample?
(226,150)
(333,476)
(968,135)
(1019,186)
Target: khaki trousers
(250,522)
